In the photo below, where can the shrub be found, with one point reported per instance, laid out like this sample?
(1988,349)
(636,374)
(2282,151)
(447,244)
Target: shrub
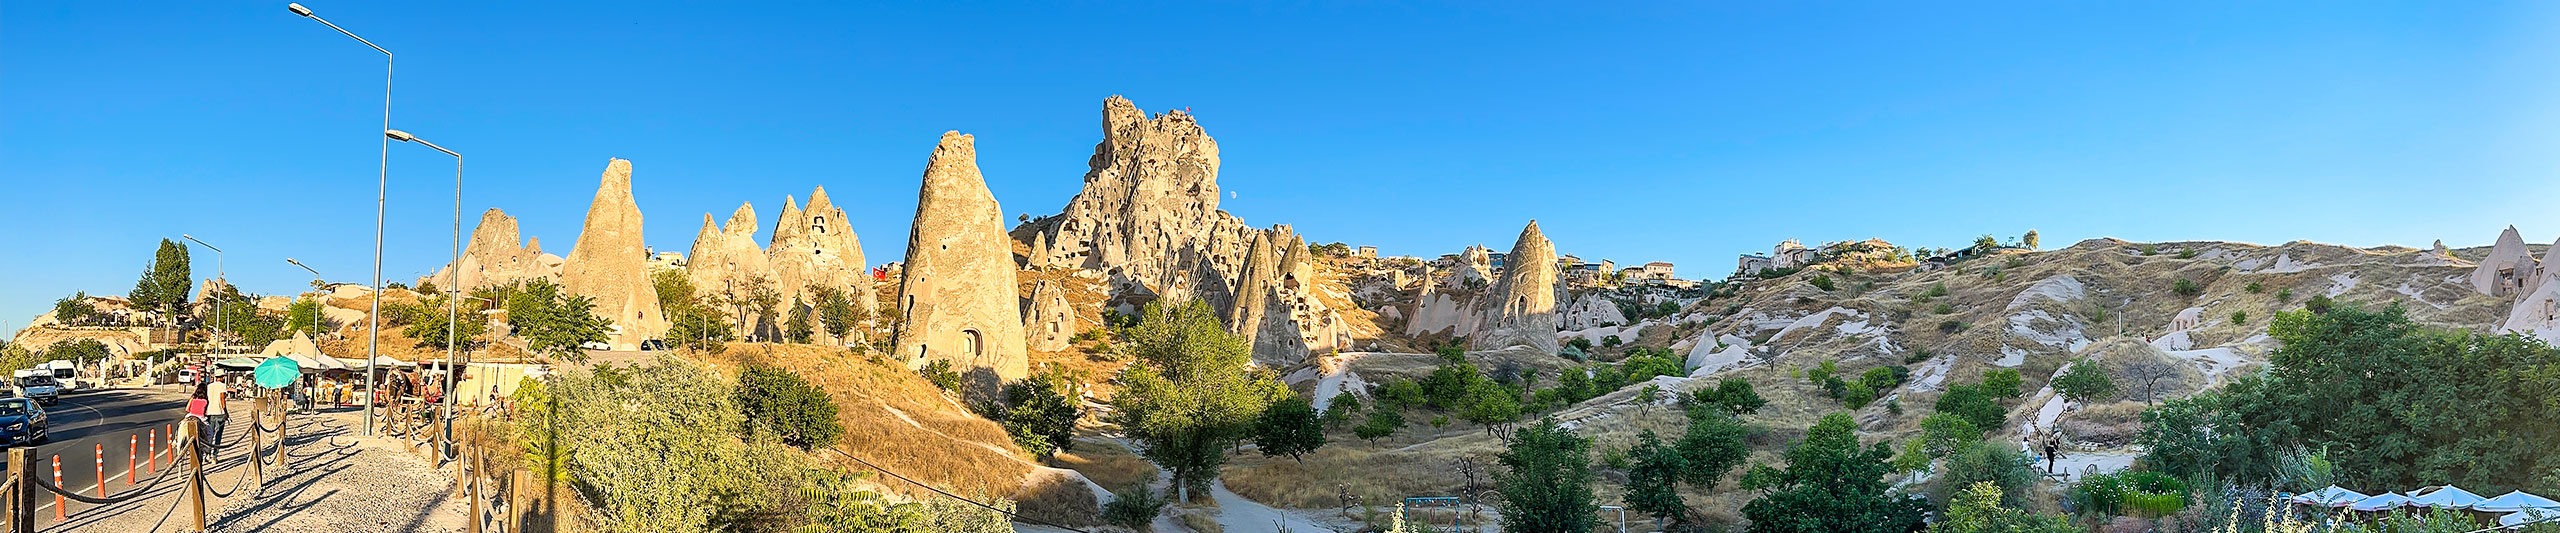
(1936,290)
(1856,395)
(2284,295)
(2185,287)
(1611,341)
(940,373)
(1943,308)
(1918,354)
(2189,253)
(2239,318)
(1579,343)
(1983,462)
(1133,508)
(2003,383)
(1040,412)
(1950,326)
(2253,288)
(2149,249)
(1731,396)
(781,401)
(1821,281)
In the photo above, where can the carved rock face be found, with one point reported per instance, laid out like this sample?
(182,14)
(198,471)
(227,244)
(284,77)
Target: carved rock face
(956,297)
(1521,307)
(610,264)
(496,255)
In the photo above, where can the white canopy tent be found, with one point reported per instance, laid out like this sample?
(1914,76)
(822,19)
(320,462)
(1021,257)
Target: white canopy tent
(2447,497)
(2331,496)
(2515,502)
(2380,502)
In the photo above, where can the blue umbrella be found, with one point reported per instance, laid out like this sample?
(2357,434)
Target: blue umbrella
(278,372)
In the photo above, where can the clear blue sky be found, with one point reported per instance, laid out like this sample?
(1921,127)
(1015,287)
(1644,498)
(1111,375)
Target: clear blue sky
(1675,131)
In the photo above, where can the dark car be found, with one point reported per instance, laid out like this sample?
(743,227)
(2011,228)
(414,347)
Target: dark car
(22,421)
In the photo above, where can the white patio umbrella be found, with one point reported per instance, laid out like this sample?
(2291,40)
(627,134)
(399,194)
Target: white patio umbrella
(2331,496)
(2380,502)
(2514,502)
(2448,497)
(2531,515)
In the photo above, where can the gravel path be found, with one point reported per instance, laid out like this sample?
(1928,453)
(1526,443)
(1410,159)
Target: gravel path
(331,482)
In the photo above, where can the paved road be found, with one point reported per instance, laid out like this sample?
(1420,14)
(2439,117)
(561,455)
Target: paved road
(84,421)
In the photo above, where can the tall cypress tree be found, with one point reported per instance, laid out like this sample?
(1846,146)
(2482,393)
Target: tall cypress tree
(165,281)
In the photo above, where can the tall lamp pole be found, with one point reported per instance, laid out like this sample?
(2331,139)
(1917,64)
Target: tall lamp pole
(382,189)
(218,319)
(453,280)
(315,298)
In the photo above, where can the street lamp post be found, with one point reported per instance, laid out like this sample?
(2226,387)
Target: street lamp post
(453,280)
(218,319)
(382,189)
(315,298)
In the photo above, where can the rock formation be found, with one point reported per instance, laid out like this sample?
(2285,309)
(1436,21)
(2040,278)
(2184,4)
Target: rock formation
(2537,308)
(610,264)
(2504,271)
(726,261)
(956,293)
(1052,320)
(497,255)
(1521,307)
(1591,311)
(817,247)
(1148,214)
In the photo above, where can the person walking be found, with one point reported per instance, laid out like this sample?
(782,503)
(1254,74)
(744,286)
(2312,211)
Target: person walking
(210,407)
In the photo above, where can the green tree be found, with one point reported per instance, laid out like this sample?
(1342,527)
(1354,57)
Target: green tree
(1985,243)
(1339,410)
(305,316)
(1289,427)
(553,322)
(81,350)
(71,310)
(782,402)
(1976,461)
(2030,240)
(1190,393)
(1491,406)
(1733,396)
(428,325)
(2003,383)
(1714,443)
(1546,486)
(1382,423)
(797,330)
(165,281)
(1830,484)
(1653,481)
(1976,406)
(837,311)
(2085,381)
(1942,433)
(694,320)
(1978,510)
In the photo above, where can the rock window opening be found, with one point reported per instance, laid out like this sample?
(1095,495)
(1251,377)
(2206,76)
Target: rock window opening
(969,344)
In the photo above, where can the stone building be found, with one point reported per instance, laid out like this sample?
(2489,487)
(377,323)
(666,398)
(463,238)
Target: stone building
(956,296)
(610,265)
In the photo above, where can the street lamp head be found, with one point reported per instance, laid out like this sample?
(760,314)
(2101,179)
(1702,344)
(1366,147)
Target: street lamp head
(398,135)
(290,260)
(298,9)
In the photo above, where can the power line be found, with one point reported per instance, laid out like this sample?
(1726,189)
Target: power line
(953,496)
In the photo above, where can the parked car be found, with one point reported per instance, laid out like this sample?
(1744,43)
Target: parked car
(22,422)
(652,345)
(41,388)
